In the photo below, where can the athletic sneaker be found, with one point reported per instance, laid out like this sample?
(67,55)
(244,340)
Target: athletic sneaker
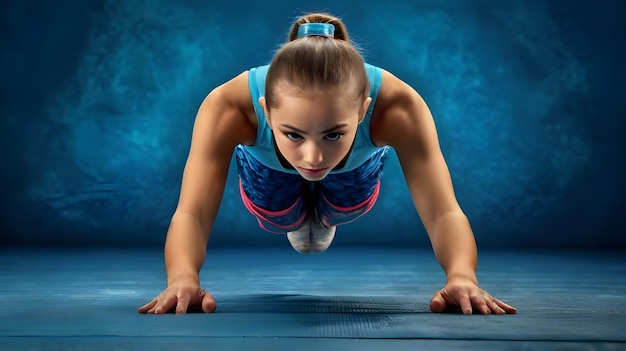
(300,239)
(321,236)
(312,236)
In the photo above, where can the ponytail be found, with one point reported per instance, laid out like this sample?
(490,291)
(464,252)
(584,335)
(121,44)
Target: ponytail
(318,58)
(341,33)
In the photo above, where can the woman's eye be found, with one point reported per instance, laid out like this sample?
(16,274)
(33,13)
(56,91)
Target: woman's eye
(293,136)
(333,136)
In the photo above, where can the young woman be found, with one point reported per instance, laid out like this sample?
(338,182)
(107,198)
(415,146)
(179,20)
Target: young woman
(310,134)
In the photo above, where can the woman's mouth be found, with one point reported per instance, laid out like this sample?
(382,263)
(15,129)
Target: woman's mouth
(312,172)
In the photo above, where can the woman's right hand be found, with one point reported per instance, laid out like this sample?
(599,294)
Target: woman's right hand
(181,298)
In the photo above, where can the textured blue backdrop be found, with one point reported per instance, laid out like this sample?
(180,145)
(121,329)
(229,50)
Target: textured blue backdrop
(98,100)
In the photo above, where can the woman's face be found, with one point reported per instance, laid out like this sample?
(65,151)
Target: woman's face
(314,132)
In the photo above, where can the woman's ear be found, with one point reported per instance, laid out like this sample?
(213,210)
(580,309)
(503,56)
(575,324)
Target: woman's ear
(363,109)
(263,104)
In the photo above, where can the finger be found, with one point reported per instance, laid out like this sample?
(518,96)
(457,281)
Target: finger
(481,303)
(505,307)
(495,308)
(208,302)
(438,303)
(165,304)
(145,308)
(465,303)
(183,304)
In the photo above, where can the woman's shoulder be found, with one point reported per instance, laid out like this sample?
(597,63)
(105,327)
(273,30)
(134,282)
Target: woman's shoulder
(398,107)
(236,93)
(394,93)
(394,89)
(232,99)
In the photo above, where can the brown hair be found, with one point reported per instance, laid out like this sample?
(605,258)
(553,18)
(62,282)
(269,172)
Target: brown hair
(318,64)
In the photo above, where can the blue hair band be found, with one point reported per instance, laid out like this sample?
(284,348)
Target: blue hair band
(319,29)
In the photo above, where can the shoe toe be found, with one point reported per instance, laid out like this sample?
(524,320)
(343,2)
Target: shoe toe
(300,239)
(321,237)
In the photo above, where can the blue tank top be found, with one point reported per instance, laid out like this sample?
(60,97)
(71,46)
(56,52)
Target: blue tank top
(263,147)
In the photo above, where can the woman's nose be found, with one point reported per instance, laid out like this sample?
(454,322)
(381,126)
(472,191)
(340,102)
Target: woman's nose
(313,155)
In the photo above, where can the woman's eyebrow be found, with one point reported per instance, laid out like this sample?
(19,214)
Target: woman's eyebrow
(338,126)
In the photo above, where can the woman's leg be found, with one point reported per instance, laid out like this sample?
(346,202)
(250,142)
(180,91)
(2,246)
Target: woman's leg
(277,199)
(344,197)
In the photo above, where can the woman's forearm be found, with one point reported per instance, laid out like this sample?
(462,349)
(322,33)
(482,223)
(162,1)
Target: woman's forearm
(185,248)
(454,246)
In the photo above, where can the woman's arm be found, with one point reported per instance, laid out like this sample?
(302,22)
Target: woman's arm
(402,119)
(222,122)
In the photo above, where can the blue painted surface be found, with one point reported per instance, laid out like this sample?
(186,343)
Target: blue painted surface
(97,101)
(572,300)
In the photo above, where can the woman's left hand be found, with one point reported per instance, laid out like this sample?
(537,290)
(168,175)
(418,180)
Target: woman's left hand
(469,298)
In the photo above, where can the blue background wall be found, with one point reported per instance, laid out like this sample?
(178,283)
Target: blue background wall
(98,100)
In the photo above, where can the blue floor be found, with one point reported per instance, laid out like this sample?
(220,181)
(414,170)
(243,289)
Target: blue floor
(277,299)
